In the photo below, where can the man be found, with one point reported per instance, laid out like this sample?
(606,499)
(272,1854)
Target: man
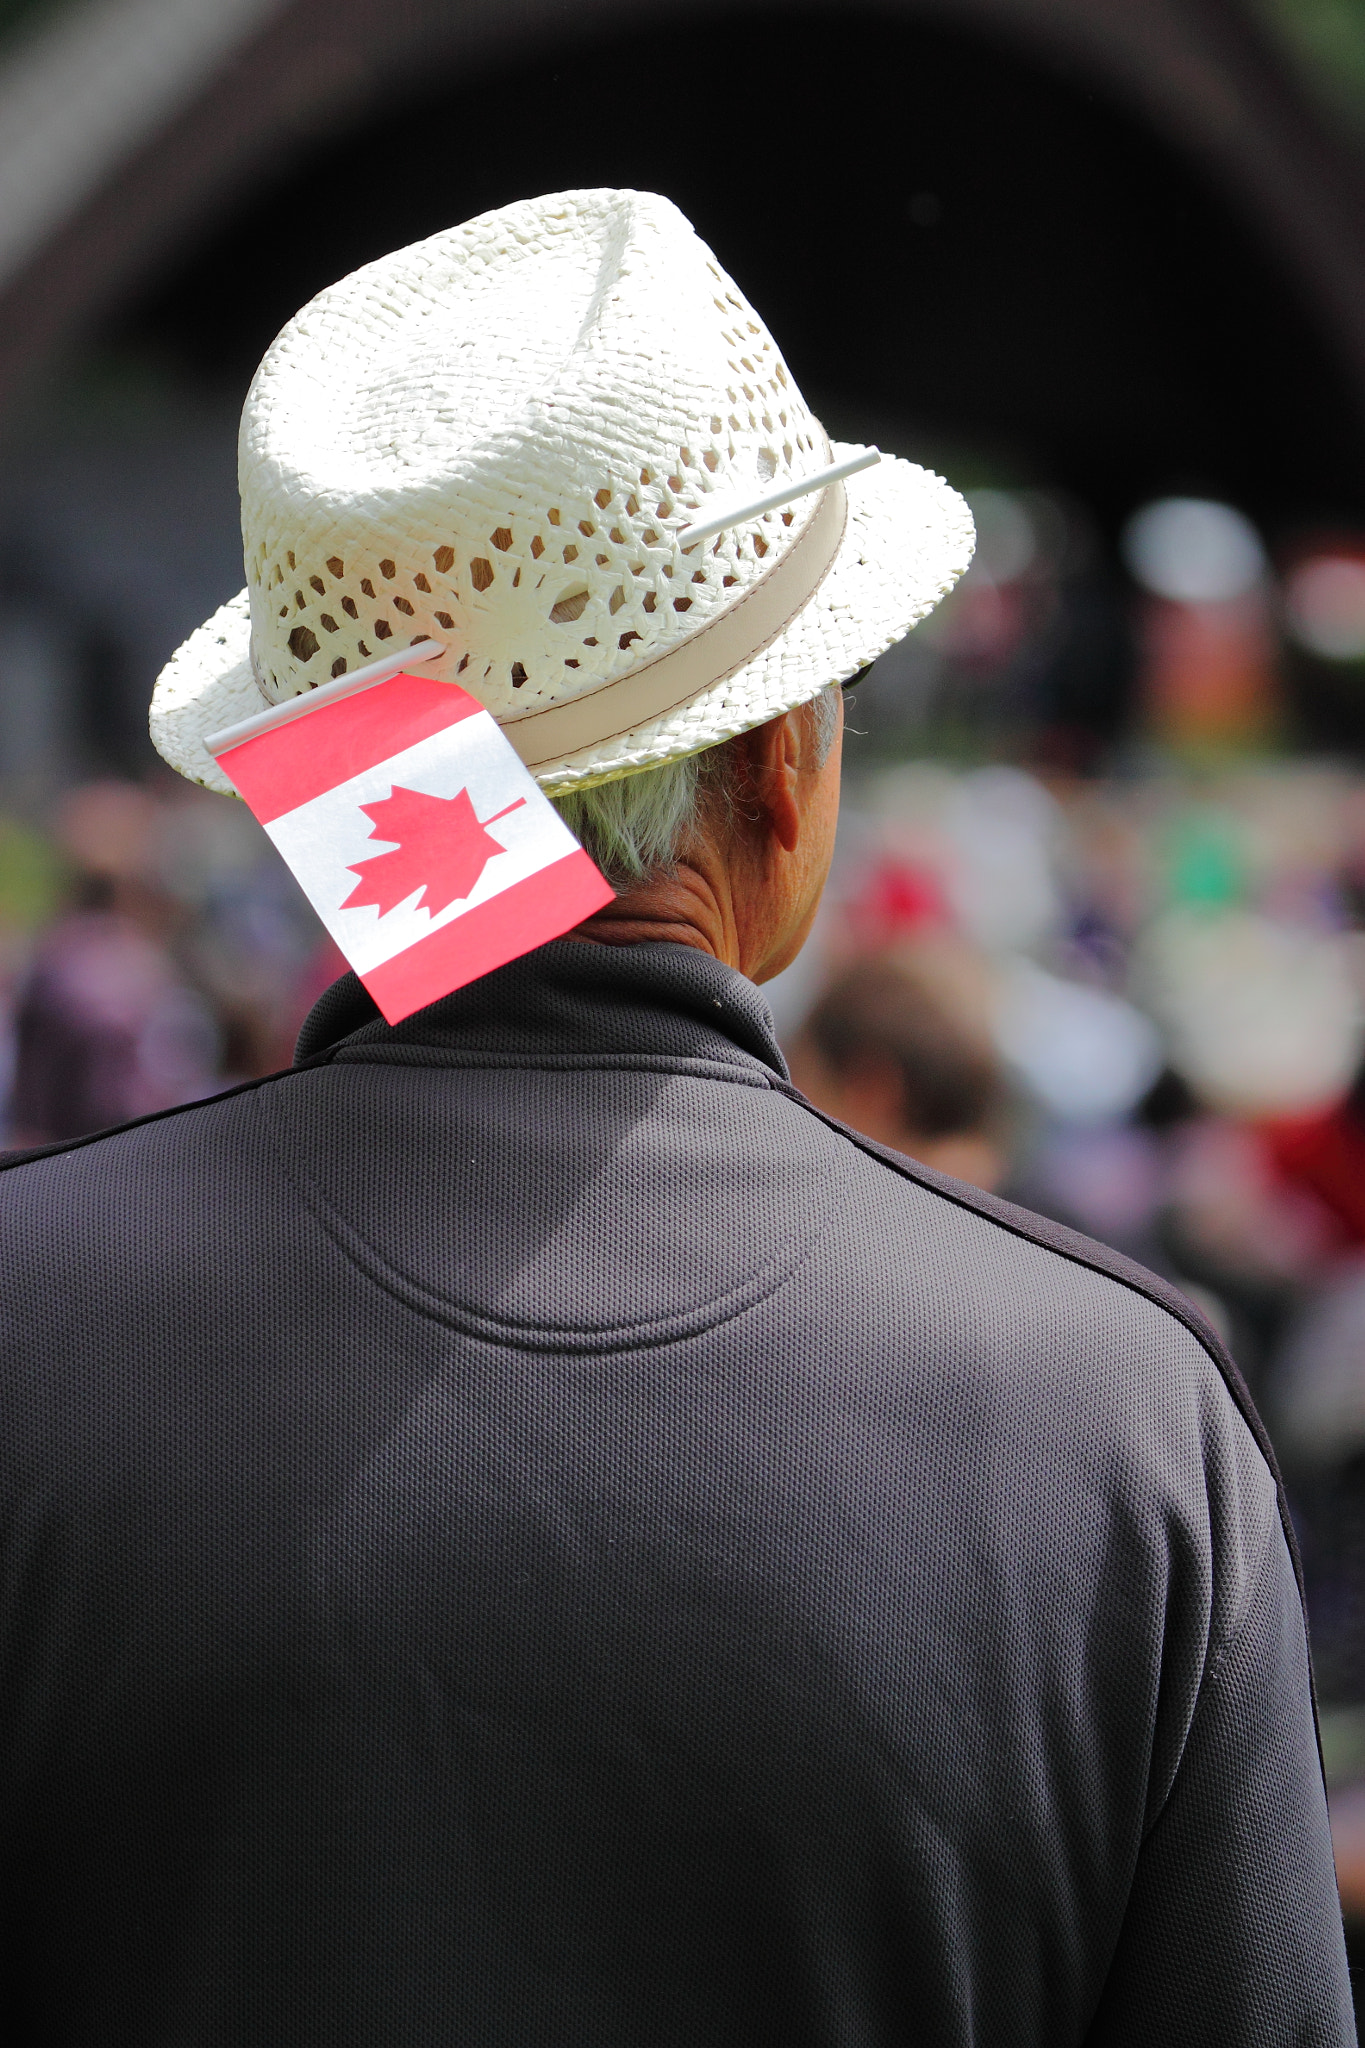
(520,1530)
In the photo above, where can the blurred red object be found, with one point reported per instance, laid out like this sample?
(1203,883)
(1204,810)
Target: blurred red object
(896,900)
(1325,1154)
(1209,671)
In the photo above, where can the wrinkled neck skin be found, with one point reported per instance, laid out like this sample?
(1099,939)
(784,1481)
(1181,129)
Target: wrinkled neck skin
(748,888)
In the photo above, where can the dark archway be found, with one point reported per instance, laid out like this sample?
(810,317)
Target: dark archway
(944,230)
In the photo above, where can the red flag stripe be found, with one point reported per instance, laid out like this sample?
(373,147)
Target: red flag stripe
(277,771)
(542,906)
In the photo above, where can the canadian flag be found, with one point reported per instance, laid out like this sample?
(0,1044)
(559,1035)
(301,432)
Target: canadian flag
(417,835)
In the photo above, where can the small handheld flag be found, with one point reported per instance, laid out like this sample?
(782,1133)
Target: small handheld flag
(426,848)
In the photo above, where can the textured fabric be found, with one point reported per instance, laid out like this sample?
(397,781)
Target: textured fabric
(519,1531)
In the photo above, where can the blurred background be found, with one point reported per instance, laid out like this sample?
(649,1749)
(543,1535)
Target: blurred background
(1096,933)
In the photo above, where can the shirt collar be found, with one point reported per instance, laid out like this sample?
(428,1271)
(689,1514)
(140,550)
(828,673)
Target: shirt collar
(565,998)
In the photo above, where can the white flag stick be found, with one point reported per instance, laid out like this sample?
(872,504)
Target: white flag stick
(734,511)
(325,693)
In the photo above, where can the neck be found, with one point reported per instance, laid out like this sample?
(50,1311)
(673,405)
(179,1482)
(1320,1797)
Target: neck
(692,906)
(747,888)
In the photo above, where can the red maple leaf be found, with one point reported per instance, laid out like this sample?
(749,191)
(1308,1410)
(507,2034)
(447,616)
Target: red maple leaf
(440,847)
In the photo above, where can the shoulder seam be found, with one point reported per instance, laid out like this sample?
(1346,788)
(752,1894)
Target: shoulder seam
(1237,1624)
(24,1156)
(1216,1663)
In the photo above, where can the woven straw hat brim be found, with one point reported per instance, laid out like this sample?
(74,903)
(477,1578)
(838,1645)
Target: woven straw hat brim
(908,538)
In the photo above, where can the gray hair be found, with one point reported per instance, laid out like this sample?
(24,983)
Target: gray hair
(640,825)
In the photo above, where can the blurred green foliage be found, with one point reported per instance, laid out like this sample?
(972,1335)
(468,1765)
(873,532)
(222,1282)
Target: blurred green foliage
(1328,38)
(32,878)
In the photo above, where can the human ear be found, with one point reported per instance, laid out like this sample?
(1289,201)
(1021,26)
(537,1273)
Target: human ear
(775,756)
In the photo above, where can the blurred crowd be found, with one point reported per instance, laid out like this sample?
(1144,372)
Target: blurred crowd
(153,949)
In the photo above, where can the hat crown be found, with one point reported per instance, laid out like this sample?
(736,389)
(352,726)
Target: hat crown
(493,437)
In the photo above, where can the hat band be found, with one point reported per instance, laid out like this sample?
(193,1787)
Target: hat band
(704,659)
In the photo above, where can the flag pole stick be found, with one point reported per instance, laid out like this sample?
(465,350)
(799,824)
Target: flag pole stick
(325,693)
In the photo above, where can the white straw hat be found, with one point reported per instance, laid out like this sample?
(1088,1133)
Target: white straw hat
(495,439)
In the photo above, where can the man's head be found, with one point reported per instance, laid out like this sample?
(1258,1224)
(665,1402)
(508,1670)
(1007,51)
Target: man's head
(900,1047)
(554,457)
(727,849)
